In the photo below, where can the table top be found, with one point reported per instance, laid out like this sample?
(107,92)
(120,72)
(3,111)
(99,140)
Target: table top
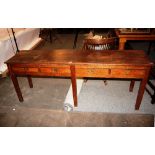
(72,56)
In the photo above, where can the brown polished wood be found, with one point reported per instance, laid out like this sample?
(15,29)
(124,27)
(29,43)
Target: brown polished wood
(123,38)
(127,64)
(15,83)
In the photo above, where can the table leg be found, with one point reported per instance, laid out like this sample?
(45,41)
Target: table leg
(74,87)
(30,81)
(132,83)
(141,90)
(122,45)
(16,86)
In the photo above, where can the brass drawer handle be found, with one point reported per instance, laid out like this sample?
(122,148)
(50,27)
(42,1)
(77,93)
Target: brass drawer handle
(91,71)
(127,72)
(55,69)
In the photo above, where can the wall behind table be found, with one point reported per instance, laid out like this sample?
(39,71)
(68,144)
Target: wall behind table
(26,39)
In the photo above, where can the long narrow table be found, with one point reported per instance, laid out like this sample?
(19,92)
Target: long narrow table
(127,64)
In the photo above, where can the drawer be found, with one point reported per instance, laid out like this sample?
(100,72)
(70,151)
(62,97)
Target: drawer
(43,71)
(92,72)
(127,73)
(56,71)
(18,70)
(32,70)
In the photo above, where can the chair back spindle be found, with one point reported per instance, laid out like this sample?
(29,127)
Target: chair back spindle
(100,44)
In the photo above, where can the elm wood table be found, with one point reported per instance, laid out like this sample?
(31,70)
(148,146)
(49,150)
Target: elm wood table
(79,63)
(124,37)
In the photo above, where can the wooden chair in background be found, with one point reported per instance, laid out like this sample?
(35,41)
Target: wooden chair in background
(100,44)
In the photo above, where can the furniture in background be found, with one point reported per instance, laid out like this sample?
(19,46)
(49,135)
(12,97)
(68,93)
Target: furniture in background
(76,63)
(76,37)
(104,31)
(124,37)
(100,44)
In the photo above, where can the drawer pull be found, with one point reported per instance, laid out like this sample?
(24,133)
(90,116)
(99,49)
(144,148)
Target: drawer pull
(34,70)
(55,69)
(127,72)
(91,71)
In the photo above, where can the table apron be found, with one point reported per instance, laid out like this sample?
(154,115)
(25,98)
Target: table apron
(81,72)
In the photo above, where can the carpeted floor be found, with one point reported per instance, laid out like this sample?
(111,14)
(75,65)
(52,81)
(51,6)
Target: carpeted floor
(114,97)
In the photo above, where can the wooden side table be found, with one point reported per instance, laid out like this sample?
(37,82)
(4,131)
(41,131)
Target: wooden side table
(123,38)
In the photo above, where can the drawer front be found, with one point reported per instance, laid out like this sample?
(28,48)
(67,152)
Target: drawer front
(80,72)
(56,71)
(43,71)
(19,70)
(92,72)
(32,70)
(109,73)
(127,73)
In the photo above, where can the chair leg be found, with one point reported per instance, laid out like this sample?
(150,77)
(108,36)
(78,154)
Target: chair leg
(30,81)
(85,80)
(132,83)
(105,82)
(75,39)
